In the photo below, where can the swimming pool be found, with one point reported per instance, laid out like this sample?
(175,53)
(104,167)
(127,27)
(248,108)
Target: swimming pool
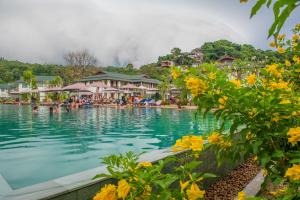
(36,147)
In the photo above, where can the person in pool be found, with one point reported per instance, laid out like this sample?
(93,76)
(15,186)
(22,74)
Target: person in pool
(35,109)
(51,110)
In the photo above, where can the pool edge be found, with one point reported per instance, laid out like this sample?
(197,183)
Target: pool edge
(71,183)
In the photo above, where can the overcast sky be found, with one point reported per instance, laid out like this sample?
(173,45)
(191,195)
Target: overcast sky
(118,32)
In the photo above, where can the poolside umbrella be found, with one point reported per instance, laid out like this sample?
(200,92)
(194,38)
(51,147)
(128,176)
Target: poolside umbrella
(76,87)
(79,87)
(53,89)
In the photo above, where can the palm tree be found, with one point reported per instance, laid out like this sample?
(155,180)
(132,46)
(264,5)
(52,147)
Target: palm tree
(164,87)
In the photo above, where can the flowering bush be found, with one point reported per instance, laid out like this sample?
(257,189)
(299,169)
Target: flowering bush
(264,110)
(142,180)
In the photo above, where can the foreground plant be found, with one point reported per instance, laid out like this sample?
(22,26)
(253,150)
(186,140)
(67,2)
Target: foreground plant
(142,180)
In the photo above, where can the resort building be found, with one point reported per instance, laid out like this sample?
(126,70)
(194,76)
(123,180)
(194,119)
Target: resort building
(42,83)
(115,84)
(167,63)
(117,80)
(5,89)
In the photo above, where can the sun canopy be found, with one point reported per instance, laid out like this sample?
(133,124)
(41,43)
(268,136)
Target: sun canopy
(54,89)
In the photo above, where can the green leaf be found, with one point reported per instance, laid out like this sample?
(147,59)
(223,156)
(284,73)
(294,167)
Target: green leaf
(101,176)
(234,126)
(295,161)
(269,3)
(264,158)
(192,165)
(165,195)
(209,175)
(257,6)
(256,146)
(278,154)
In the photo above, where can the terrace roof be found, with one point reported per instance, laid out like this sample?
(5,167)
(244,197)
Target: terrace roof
(120,77)
(8,86)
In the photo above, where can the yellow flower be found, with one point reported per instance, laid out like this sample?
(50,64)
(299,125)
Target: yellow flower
(123,189)
(272,69)
(252,112)
(280,37)
(108,192)
(250,136)
(294,135)
(215,138)
(293,173)
(288,63)
(278,192)
(265,172)
(212,75)
(175,74)
(285,102)
(255,158)
(195,85)
(196,143)
(236,82)
(296,59)
(145,164)
(275,118)
(295,37)
(281,50)
(241,196)
(251,79)
(223,100)
(225,144)
(273,44)
(194,192)
(183,185)
(279,85)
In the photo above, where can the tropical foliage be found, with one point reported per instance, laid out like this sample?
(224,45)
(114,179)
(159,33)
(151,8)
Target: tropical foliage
(263,109)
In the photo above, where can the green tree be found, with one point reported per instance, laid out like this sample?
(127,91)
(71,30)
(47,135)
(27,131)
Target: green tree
(29,79)
(57,81)
(164,87)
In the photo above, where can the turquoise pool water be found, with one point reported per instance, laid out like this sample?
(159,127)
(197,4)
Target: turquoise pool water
(36,147)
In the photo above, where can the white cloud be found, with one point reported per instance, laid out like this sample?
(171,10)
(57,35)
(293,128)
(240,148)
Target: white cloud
(115,31)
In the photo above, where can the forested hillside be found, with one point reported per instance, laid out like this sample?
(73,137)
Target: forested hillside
(211,51)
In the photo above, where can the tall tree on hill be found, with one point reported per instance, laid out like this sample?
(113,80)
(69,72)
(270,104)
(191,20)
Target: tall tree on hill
(80,59)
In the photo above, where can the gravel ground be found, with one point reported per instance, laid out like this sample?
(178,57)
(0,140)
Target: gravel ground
(228,187)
